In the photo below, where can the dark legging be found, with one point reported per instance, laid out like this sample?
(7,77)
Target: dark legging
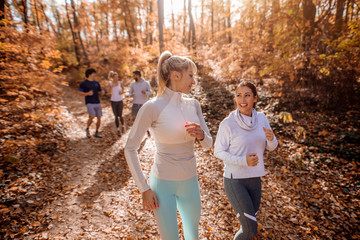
(117,108)
(244,196)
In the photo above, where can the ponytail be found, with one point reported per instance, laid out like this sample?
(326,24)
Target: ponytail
(163,76)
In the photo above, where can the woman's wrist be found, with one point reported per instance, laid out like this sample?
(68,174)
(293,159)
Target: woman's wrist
(203,137)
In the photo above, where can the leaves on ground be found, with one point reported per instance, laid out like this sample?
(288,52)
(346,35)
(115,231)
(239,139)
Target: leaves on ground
(56,184)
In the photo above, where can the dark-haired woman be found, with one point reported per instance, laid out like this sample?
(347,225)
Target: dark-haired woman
(241,141)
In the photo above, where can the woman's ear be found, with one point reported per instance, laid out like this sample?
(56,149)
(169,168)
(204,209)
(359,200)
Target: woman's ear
(256,100)
(175,75)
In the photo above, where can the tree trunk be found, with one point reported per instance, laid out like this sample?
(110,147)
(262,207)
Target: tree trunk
(347,12)
(147,23)
(192,36)
(212,19)
(149,28)
(7,12)
(172,17)
(354,12)
(96,27)
(25,14)
(85,25)
(77,32)
(115,30)
(107,32)
(132,24)
(184,25)
(161,24)
(151,21)
(202,17)
(36,16)
(49,23)
(2,9)
(340,5)
(76,48)
(60,27)
(309,11)
(218,15)
(229,21)
(127,27)
(140,24)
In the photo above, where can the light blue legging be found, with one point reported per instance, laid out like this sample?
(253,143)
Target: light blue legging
(173,195)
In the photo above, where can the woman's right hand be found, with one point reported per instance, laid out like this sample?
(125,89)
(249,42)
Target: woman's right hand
(252,159)
(150,201)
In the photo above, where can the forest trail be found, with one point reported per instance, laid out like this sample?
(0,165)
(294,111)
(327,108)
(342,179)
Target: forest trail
(100,200)
(97,200)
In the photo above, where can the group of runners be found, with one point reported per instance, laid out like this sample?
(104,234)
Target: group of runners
(140,91)
(175,123)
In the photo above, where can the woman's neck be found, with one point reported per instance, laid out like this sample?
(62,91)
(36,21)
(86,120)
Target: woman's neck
(249,114)
(173,87)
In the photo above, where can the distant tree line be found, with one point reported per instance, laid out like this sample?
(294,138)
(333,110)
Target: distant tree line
(310,47)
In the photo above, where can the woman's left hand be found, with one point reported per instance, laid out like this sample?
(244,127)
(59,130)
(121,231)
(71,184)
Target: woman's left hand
(194,130)
(269,134)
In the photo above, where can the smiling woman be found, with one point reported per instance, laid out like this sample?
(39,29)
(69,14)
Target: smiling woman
(240,143)
(246,98)
(176,122)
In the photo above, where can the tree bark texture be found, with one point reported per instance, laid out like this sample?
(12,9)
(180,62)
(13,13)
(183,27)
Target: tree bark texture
(340,6)
(309,11)
(2,9)
(74,37)
(78,33)
(25,14)
(161,24)
(192,36)
(36,16)
(229,21)
(184,24)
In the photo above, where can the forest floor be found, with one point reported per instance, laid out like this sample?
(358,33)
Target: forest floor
(310,191)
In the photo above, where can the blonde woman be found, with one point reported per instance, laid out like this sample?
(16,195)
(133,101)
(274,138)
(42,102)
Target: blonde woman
(175,123)
(117,104)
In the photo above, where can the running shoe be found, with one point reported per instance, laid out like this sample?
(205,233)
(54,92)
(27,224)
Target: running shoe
(87,133)
(97,135)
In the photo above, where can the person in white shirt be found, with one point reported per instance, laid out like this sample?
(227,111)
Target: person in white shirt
(176,122)
(117,104)
(241,141)
(140,91)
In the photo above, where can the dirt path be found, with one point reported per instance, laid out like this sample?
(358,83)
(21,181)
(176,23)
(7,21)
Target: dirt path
(99,200)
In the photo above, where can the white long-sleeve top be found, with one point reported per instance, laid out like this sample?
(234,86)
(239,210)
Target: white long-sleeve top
(239,135)
(165,116)
(136,88)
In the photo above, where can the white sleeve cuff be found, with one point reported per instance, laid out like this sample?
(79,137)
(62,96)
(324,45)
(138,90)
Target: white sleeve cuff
(271,145)
(206,142)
